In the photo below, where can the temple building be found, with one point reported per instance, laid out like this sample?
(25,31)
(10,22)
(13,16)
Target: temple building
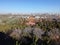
(31,20)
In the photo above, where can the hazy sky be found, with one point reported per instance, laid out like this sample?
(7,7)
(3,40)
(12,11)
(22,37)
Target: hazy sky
(29,6)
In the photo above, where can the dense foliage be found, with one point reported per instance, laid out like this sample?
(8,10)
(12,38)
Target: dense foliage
(45,32)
